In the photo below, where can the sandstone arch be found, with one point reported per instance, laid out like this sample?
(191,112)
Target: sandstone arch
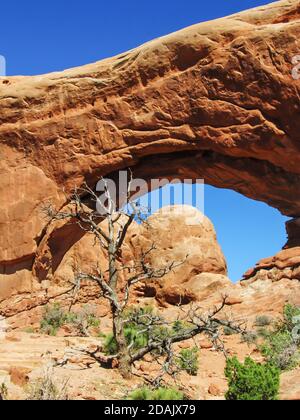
(216,100)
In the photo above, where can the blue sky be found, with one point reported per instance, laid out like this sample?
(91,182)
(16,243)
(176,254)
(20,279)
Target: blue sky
(42,36)
(38,37)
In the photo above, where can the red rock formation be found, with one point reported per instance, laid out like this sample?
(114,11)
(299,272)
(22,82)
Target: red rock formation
(216,100)
(182,235)
(285,264)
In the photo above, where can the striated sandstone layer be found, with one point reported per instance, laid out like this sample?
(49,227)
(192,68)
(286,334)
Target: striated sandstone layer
(216,101)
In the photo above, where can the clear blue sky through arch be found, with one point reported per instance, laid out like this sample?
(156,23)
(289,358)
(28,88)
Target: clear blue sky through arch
(43,36)
(247,230)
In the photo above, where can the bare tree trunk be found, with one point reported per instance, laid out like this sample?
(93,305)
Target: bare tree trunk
(124,358)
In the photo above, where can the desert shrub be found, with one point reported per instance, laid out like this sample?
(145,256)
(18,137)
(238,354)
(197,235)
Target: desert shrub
(93,321)
(249,337)
(136,312)
(162,394)
(228,331)
(263,332)
(136,337)
(135,331)
(188,360)
(251,380)
(110,346)
(54,317)
(83,320)
(3,392)
(180,327)
(167,394)
(290,312)
(281,350)
(262,321)
(45,389)
(280,347)
(138,333)
(87,316)
(133,336)
(140,394)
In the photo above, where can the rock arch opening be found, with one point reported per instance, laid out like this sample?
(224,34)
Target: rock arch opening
(247,230)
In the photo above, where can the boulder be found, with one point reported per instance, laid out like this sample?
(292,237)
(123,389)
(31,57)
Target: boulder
(184,236)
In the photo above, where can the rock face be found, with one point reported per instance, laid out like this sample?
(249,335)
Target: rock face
(214,101)
(182,235)
(284,265)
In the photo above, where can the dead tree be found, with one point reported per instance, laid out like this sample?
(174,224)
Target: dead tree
(109,281)
(112,241)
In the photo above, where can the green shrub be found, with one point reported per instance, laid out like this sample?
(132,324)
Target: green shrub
(136,337)
(85,317)
(179,327)
(167,394)
(287,324)
(135,330)
(140,394)
(110,345)
(280,350)
(162,394)
(83,320)
(92,320)
(54,317)
(289,313)
(280,347)
(133,336)
(188,360)
(251,380)
(262,321)
(137,333)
